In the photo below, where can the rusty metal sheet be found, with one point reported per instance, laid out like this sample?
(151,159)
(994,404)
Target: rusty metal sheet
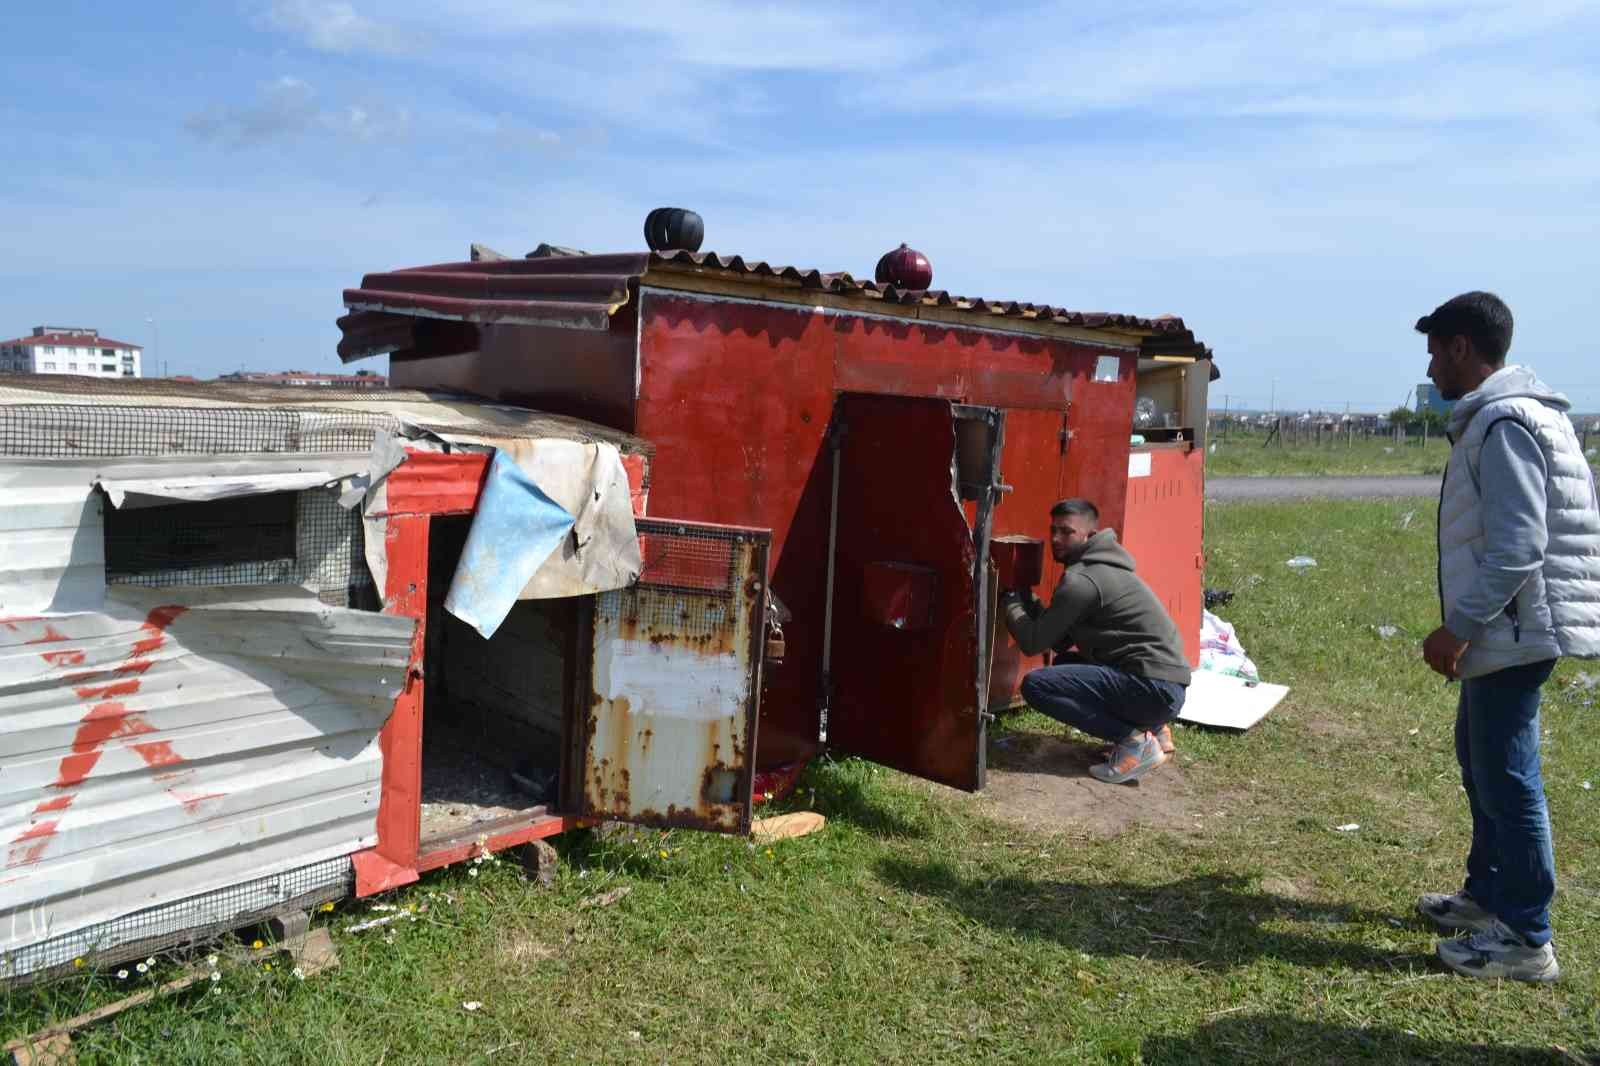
(435,310)
(674,681)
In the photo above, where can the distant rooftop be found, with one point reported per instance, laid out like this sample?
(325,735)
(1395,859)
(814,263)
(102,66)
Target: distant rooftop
(70,336)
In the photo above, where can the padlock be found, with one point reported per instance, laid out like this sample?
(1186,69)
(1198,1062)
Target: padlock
(775,645)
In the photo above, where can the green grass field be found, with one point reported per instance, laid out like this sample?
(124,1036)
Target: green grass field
(913,930)
(1243,455)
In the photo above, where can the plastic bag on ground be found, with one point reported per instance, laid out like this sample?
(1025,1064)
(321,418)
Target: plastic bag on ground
(1220,650)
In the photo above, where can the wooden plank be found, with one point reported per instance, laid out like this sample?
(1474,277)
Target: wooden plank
(498,835)
(51,1051)
(313,953)
(787,826)
(64,1029)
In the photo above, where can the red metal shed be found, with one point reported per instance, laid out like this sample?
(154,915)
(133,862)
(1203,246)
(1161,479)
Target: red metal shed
(882,435)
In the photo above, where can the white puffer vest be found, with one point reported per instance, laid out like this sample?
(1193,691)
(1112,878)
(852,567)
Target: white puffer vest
(1557,610)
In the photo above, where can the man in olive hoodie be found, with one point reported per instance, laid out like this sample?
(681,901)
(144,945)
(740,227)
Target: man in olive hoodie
(1130,678)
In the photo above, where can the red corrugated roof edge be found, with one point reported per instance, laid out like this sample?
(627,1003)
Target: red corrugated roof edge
(74,340)
(583,291)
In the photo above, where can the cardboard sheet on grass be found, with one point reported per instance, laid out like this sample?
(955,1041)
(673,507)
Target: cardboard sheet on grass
(1226,691)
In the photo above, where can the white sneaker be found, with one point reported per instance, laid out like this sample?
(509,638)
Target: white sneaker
(1455,911)
(1499,952)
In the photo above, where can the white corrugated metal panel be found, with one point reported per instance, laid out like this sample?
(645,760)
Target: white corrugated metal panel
(53,557)
(183,740)
(153,491)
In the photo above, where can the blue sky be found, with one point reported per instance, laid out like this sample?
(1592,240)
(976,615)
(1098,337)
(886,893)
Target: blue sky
(1298,184)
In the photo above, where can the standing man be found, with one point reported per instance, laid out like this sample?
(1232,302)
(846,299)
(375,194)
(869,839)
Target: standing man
(1519,586)
(1132,678)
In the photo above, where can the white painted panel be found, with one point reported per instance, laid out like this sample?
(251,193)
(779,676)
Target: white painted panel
(673,684)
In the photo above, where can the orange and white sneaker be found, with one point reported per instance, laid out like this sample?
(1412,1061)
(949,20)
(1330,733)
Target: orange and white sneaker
(1164,738)
(1135,756)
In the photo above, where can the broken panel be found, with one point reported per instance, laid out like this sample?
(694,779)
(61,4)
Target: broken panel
(669,724)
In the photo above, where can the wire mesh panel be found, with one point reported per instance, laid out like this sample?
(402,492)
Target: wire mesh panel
(185,921)
(61,431)
(690,556)
(281,538)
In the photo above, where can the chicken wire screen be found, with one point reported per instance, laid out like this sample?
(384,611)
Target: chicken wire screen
(281,538)
(692,583)
(64,431)
(185,921)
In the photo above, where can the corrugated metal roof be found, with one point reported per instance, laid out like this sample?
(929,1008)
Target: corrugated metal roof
(175,741)
(60,416)
(583,291)
(72,340)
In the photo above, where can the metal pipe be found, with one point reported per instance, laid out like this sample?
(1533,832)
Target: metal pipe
(827,609)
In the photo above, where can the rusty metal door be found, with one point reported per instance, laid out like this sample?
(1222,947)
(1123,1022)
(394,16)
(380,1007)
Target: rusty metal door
(904,680)
(668,703)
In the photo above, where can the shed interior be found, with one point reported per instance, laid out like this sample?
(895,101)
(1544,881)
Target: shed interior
(494,710)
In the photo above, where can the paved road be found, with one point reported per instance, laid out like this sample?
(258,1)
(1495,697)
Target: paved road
(1347,488)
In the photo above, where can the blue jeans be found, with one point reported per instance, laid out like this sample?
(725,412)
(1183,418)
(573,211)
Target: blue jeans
(1102,701)
(1511,869)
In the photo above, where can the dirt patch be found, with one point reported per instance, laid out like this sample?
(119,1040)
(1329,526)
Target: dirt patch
(1325,724)
(1283,886)
(520,949)
(1042,781)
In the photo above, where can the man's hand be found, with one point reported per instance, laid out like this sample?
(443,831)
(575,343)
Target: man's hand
(1442,651)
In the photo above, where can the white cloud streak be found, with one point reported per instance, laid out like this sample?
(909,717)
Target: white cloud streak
(286,109)
(334,26)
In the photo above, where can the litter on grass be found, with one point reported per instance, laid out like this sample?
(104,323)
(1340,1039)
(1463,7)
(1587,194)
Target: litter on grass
(1226,691)
(1301,562)
(1348,827)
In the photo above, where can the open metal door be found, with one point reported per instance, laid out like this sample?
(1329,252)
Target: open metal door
(905,676)
(667,706)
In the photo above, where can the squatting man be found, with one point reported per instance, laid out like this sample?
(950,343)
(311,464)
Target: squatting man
(1127,680)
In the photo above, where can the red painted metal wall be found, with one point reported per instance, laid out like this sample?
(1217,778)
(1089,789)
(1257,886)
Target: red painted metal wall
(585,373)
(737,398)
(1163,531)
(904,688)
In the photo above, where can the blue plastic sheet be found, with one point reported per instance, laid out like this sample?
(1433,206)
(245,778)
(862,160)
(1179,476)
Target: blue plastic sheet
(515,530)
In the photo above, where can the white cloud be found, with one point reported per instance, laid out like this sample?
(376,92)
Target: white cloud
(1216,58)
(334,26)
(282,108)
(286,109)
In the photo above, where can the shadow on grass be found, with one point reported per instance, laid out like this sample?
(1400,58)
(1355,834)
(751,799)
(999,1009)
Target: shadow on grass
(1212,921)
(1270,1038)
(1068,755)
(830,789)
